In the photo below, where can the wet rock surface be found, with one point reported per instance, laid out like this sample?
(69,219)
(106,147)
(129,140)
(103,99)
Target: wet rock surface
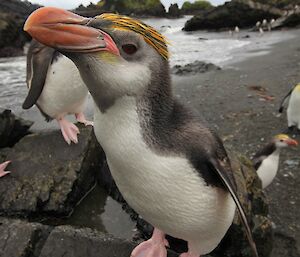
(12,128)
(47,175)
(194,68)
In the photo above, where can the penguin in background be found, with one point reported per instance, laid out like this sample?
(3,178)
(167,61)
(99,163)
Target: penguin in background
(56,88)
(293,109)
(266,160)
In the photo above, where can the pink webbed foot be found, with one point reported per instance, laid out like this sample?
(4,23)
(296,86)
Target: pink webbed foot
(154,247)
(68,130)
(81,118)
(3,166)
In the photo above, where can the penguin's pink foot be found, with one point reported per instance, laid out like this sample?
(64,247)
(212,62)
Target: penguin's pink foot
(188,254)
(69,130)
(4,172)
(154,247)
(81,118)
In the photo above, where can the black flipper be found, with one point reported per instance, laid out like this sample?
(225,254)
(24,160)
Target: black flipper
(39,58)
(281,107)
(223,175)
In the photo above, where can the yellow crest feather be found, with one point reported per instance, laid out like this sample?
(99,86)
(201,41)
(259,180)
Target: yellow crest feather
(150,35)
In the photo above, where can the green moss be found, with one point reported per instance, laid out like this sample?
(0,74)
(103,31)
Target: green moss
(197,5)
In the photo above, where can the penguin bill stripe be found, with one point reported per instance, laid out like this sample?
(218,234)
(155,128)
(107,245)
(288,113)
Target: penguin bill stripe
(151,36)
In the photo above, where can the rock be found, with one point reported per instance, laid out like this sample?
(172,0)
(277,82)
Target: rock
(12,16)
(12,128)
(196,7)
(194,68)
(133,8)
(174,11)
(48,176)
(241,13)
(65,241)
(19,238)
(235,243)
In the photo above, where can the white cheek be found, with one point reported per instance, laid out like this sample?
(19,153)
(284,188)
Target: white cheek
(281,144)
(125,77)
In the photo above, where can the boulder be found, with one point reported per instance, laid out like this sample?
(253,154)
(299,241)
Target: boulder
(194,68)
(12,17)
(174,11)
(12,128)
(20,238)
(241,13)
(235,243)
(196,7)
(48,176)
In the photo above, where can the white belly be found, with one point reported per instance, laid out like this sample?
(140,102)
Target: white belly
(165,190)
(64,91)
(268,169)
(293,110)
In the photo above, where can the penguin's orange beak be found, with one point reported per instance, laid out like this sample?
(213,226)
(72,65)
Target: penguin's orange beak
(66,31)
(292,142)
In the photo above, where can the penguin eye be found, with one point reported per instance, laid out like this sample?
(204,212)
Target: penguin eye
(129,48)
(281,140)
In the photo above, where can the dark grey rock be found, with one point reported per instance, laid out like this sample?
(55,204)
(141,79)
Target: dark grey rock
(193,68)
(65,241)
(242,13)
(49,176)
(174,11)
(12,128)
(19,238)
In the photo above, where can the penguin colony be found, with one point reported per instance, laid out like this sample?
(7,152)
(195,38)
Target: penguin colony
(171,168)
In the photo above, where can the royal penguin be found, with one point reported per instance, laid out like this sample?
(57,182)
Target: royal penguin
(56,88)
(293,109)
(266,160)
(169,166)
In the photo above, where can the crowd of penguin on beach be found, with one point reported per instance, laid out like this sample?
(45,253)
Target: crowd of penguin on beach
(169,167)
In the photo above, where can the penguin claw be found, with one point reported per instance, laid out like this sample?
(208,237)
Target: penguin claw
(69,131)
(4,172)
(81,118)
(154,247)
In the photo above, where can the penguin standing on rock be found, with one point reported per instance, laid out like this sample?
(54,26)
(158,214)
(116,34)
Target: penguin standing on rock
(293,110)
(169,167)
(266,160)
(56,87)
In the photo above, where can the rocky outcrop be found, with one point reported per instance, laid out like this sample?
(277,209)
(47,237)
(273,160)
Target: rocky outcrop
(12,16)
(194,68)
(174,11)
(241,13)
(47,175)
(132,8)
(12,128)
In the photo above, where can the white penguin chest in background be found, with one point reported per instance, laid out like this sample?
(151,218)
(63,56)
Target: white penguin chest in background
(293,110)
(268,169)
(64,91)
(164,189)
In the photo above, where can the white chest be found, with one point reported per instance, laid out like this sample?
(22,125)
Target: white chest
(64,91)
(268,169)
(165,190)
